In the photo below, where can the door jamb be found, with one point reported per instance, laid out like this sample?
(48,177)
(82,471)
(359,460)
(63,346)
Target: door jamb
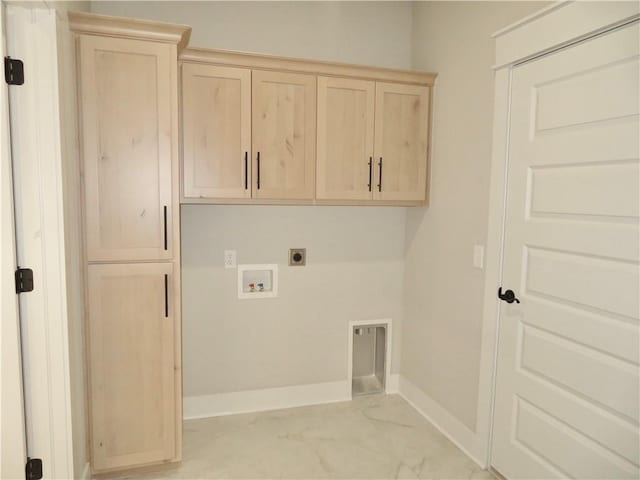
(13,447)
(32,36)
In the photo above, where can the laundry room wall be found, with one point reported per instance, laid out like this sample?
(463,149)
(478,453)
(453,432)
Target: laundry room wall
(355,254)
(442,324)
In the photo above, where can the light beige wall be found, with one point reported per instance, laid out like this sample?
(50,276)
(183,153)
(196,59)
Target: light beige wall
(354,272)
(443,299)
(376,33)
(355,266)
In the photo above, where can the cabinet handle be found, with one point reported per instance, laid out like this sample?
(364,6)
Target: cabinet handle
(380,176)
(258,181)
(370,172)
(166,296)
(165,228)
(246,170)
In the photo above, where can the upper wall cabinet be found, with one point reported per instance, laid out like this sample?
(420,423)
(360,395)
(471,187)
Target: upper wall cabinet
(284,135)
(126,91)
(348,168)
(323,133)
(401,137)
(345,139)
(216,122)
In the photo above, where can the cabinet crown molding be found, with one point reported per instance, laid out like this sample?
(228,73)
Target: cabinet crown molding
(137,29)
(299,65)
(95,24)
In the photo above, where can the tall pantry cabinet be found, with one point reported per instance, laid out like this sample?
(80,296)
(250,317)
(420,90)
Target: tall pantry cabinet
(128,108)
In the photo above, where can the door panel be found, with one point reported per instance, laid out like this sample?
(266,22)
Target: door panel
(131,348)
(567,401)
(401,138)
(557,360)
(126,101)
(345,139)
(216,119)
(558,444)
(284,135)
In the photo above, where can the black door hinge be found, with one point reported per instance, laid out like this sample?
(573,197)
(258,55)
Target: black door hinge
(33,469)
(13,71)
(24,280)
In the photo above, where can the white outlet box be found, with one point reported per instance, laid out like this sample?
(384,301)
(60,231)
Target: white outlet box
(478,256)
(229,259)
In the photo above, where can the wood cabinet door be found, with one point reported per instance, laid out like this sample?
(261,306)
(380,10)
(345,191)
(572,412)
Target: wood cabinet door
(284,135)
(401,139)
(345,139)
(127,101)
(216,115)
(131,364)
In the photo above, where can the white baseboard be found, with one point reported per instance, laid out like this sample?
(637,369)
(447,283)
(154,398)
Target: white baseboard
(452,428)
(86,472)
(267,399)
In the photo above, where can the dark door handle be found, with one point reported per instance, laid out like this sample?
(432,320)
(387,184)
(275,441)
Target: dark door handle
(166,238)
(507,296)
(258,180)
(166,295)
(380,176)
(246,170)
(370,172)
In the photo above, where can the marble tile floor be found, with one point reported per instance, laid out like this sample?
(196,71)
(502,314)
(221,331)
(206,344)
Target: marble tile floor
(371,437)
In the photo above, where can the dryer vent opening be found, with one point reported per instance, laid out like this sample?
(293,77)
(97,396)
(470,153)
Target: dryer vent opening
(369,356)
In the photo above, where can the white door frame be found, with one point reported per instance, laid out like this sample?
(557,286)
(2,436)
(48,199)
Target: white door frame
(13,450)
(39,222)
(554,27)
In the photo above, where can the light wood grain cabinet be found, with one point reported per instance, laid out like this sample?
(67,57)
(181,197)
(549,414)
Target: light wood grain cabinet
(345,139)
(401,141)
(216,122)
(320,132)
(126,110)
(372,141)
(247,134)
(131,364)
(284,135)
(128,104)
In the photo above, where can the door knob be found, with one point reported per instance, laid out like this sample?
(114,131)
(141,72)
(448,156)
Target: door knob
(507,296)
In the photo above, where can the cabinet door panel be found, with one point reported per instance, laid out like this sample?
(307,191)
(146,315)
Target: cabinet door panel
(284,135)
(401,137)
(131,358)
(216,131)
(345,138)
(127,87)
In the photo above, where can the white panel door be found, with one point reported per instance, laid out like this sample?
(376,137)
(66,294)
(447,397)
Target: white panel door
(567,401)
